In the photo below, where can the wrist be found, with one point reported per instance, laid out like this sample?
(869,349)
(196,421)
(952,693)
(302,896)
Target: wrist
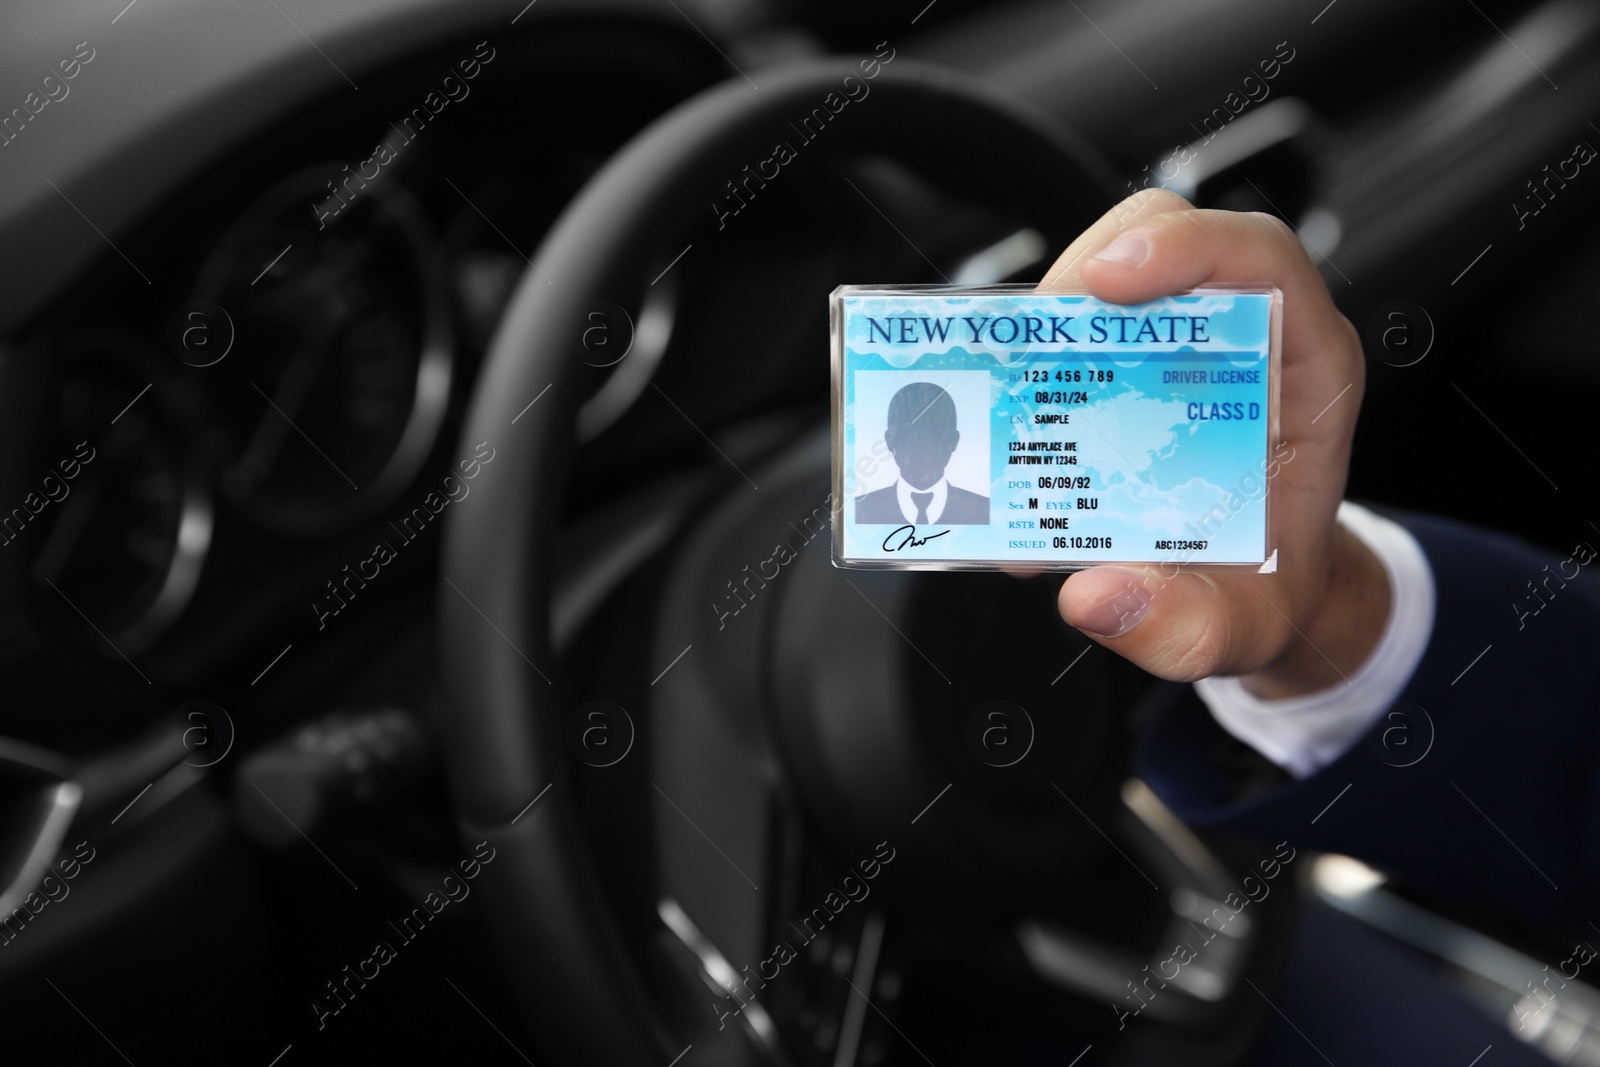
(1341,631)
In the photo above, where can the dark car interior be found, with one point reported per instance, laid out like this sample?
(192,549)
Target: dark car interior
(388,389)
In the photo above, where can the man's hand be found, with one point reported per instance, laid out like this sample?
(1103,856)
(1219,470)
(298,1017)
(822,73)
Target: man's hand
(1314,622)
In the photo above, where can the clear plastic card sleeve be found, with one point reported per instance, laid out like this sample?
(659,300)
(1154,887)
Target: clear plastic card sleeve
(996,427)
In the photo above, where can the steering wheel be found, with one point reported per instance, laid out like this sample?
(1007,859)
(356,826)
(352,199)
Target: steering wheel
(588,996)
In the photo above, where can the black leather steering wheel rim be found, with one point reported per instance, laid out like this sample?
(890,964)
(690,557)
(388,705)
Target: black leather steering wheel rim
(503,715)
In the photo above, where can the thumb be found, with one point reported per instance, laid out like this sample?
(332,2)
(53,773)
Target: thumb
(1180,628)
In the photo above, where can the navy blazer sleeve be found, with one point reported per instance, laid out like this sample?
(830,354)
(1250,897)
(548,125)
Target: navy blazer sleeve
(1502,813)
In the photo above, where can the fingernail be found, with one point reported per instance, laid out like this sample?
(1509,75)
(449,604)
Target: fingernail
(1130,250)
(1119,612)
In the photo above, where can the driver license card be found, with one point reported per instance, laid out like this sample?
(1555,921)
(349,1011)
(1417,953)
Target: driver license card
(989,427)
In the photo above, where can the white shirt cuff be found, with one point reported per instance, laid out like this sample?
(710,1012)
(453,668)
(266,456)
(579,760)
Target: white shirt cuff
(1306,733)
